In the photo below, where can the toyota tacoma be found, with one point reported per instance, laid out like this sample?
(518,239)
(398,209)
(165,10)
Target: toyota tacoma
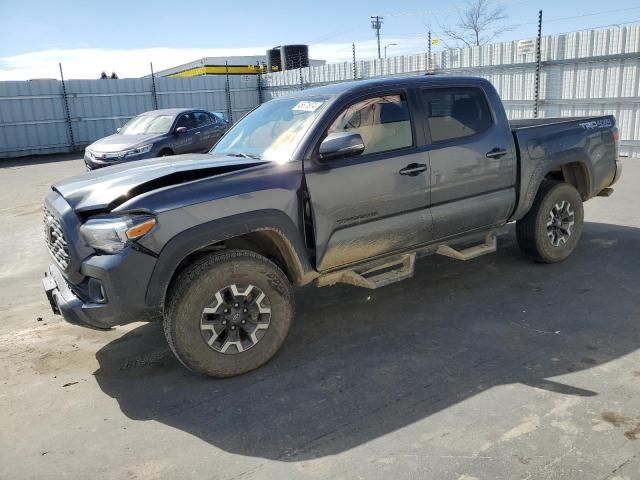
(346,183)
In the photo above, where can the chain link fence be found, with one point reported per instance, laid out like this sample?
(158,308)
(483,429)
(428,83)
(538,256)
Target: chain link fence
(50,116)
(592,72)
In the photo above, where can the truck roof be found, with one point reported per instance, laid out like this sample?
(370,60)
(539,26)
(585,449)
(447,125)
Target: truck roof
(355,86)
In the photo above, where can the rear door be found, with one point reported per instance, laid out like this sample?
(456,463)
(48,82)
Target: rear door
(219,126)
(206,130)
(374,203)
(472,160)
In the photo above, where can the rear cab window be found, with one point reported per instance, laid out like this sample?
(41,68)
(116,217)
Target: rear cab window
(456,112)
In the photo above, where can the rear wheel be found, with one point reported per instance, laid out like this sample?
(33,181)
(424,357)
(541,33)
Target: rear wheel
(550,231)
(228,313)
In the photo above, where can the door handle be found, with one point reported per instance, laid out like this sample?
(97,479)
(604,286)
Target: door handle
(197,133)
(413,169)
(496,153)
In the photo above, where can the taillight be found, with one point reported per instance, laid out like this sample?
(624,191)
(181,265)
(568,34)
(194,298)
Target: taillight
(616,134)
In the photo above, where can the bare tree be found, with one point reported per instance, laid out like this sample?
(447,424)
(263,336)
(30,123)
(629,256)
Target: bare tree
(478,23)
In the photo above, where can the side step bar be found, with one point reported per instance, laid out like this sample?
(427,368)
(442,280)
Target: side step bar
(373,275)
(400,267)
(489,246)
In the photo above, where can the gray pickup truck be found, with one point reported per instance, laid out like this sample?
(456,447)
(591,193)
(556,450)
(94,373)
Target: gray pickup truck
(343,183)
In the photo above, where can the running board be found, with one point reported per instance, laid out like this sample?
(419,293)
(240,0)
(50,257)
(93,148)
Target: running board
(373,275)
(489,246)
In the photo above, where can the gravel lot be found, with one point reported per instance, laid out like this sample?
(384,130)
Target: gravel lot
(489,369)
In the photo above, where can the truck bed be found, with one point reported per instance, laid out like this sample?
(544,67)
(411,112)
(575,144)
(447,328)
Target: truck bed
(543,144)
(536,122)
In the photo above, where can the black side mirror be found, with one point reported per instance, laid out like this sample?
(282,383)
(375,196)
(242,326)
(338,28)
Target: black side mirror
(341,144)
(180,130)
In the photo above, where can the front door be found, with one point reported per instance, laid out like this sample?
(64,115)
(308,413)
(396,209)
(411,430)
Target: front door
(375,203)
(188,141)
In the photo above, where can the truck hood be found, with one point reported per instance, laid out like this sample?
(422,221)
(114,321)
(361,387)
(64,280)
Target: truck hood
(106,188)
(117,143)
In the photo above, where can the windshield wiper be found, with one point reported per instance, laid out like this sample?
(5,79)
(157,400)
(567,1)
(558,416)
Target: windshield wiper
(244,155)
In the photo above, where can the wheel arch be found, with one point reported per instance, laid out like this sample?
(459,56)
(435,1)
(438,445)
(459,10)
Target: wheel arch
(270,233)
(571,167)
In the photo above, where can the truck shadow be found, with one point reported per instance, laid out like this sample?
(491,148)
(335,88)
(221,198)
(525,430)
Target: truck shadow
(359,364)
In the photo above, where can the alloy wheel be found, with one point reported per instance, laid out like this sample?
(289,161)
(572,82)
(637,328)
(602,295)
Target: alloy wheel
(236,320)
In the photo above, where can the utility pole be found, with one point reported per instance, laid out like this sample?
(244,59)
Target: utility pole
(259,67)
(429,53)
(536,106)
(227,91)
(376,24)
(353,51)
(153,87)
(300,70)
(67,112)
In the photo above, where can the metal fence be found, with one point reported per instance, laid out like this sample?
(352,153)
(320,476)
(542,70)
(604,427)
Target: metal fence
(591,72)
(34,120)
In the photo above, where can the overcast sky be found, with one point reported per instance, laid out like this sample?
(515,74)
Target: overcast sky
(124,36)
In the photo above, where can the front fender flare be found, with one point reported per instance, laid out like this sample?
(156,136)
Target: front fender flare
(200,236)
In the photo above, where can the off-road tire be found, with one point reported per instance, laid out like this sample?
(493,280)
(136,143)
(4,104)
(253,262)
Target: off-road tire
(532,229)
(194,289)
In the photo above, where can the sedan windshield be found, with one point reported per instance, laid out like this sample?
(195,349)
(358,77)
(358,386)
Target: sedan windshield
(273,130)
(144,124)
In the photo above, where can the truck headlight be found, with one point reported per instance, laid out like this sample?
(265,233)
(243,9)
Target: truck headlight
(137,151)
(111,234)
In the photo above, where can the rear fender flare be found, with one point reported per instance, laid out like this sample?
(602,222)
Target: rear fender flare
(542,168)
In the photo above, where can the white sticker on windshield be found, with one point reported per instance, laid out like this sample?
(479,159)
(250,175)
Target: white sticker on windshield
(307,106)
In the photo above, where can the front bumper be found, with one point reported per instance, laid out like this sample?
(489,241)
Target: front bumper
(66,303)
(122,280)
(94,162)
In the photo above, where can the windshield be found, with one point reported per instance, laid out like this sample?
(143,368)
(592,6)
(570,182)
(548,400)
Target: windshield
(273,130)
(143,124)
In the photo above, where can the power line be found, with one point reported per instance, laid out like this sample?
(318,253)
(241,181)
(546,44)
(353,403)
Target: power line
(592,14)
(425,13)
(418,35)
(422,34)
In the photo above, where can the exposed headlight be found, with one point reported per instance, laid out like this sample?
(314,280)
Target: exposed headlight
(137,151)
(111,234)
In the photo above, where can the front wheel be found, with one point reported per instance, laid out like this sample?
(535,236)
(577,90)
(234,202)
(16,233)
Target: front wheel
(228,313)
(550,231)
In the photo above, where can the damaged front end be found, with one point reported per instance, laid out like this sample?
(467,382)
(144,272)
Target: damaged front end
(100,270)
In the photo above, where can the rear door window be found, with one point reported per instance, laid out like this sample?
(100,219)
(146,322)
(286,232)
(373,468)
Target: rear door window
(456,112)
(202,119)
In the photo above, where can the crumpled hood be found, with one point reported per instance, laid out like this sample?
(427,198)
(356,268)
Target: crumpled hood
(117,143)
(108,187)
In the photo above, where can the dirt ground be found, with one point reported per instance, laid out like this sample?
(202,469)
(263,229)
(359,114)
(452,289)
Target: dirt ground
(496,368)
